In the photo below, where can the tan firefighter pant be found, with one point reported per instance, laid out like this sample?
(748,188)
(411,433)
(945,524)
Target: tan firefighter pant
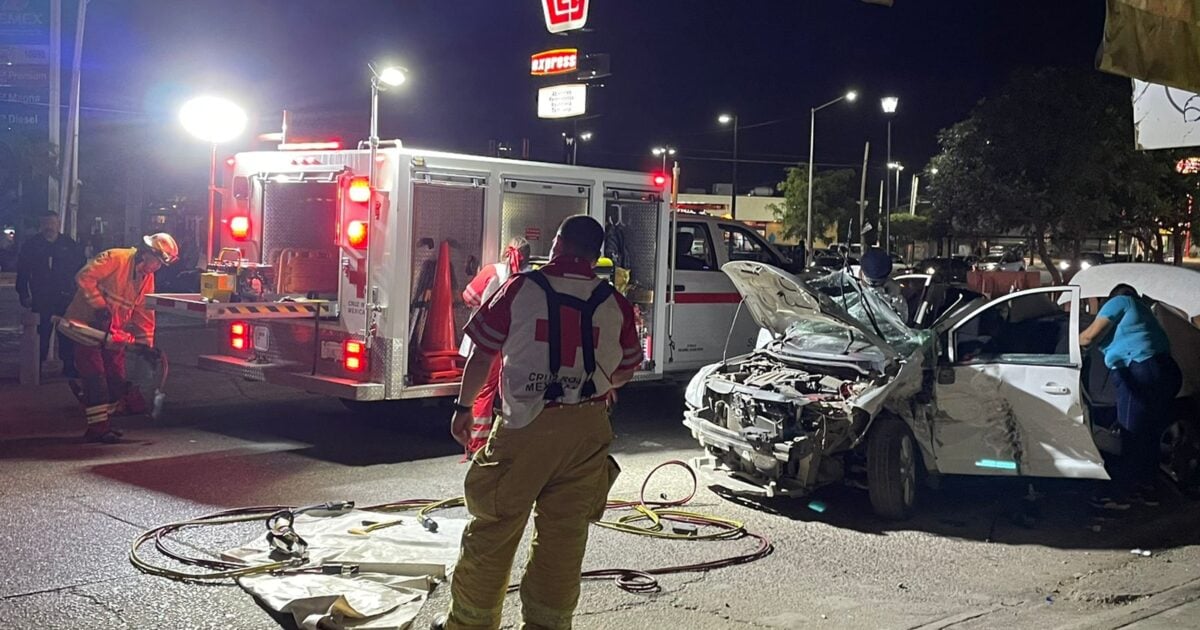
(558,467)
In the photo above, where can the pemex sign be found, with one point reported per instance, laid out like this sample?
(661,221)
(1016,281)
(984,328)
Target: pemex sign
(565,15)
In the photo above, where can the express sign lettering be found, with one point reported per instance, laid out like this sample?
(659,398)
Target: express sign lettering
(559,61)
(565,15)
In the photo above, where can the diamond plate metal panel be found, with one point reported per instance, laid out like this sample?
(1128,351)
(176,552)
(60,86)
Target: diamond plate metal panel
(536,217)
(387,366)
(299,216)
(443,212)
(639,221)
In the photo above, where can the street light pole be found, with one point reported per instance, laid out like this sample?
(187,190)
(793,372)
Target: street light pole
(212,200)
(733,203)
(812,135)
(726,119)
(887,225)
(889,104)
(381,80)
(664,152)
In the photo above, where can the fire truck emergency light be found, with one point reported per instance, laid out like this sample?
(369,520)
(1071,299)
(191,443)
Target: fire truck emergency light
(239,227)
(360,190)
(660,179)
(352,356)
(356,234)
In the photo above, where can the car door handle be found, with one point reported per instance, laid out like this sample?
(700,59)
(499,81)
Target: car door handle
(680,287)
(1056,389)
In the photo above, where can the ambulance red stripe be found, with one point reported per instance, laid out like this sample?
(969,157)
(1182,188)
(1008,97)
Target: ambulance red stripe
(707,298)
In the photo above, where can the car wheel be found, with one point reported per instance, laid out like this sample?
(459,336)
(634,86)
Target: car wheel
(893,468)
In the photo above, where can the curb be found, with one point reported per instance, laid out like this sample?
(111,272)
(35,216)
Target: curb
(1129,616)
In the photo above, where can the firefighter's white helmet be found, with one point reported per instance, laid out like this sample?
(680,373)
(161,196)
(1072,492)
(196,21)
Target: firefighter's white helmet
(163,246)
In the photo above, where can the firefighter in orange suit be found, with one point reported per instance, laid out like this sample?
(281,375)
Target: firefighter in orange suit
(566,340)
(112,298)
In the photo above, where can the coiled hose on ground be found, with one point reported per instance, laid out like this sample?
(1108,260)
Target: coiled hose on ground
(644,518)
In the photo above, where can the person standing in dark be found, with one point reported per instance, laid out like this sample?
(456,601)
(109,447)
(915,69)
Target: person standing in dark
(46,268)
(1137,353)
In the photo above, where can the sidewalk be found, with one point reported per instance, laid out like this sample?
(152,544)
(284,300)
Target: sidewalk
(1177,607)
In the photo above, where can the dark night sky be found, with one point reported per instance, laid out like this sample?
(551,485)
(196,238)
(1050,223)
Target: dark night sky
(676,64)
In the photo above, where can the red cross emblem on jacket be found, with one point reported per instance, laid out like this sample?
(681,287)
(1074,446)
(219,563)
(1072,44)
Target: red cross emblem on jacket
(571,329)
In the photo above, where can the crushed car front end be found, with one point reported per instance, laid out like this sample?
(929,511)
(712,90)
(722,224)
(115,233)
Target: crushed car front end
(789,417)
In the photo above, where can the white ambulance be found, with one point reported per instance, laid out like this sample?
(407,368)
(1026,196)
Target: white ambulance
(336,284)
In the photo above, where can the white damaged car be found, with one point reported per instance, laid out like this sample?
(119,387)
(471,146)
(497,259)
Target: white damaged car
(843,389)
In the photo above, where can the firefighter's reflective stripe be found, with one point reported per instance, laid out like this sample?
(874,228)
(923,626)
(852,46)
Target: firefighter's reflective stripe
(97,413)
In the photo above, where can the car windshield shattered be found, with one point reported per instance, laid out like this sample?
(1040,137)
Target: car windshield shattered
(866,307)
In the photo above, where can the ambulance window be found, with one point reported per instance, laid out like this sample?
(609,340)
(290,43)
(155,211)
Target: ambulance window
(693,248)
(741,244)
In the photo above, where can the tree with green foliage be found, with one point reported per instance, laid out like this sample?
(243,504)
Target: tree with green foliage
(835,202)
(909,228)
(1050,157)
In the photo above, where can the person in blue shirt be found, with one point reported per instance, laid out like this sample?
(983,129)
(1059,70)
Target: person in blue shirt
(1138,356)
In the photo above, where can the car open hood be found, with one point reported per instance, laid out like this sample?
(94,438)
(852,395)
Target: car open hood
(777,300)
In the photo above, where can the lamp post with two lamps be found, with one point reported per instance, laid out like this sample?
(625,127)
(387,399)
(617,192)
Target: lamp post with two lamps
(664,153)
(849,97)
(572,140)
(214,120)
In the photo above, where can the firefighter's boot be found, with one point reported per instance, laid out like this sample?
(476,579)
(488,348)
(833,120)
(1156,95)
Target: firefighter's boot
(98,427)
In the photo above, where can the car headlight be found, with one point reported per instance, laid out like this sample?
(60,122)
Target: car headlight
(694,394)
(1064,265)
(1085,265)
(931,271)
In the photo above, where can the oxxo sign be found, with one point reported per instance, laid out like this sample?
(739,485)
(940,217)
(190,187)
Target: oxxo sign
(565,15)
(550,62)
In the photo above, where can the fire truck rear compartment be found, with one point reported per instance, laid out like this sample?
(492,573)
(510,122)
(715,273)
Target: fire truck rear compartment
(450,213)
(534,210)
(299,232)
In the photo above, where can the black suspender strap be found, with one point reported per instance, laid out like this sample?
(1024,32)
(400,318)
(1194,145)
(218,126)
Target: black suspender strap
(586,309)
(601,293)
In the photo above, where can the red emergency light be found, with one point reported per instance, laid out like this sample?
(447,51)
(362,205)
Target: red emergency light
(356,234)
(354,355)
(239,335)
(239,227)
(659,180)
(360,190)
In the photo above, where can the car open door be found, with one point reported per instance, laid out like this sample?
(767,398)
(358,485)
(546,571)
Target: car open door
(1009,393)
(705,302)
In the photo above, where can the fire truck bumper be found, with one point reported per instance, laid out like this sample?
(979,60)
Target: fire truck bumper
(285,374)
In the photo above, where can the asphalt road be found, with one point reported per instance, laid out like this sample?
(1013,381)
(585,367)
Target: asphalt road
(978,554)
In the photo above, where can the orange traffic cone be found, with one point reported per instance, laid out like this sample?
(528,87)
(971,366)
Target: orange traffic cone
(437,360)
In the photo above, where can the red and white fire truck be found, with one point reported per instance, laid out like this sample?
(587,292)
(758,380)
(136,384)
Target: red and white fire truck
(333,287)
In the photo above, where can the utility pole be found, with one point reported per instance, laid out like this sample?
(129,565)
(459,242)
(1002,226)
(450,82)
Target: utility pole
(55,113)
(69,182)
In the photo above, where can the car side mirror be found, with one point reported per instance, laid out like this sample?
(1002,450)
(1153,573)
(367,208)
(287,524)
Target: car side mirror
(945,375)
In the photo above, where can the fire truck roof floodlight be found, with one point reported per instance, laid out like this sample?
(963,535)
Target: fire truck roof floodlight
(213,119)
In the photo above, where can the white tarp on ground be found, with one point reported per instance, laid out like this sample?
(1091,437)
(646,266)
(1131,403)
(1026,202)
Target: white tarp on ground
(1165,117)
(398,566)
